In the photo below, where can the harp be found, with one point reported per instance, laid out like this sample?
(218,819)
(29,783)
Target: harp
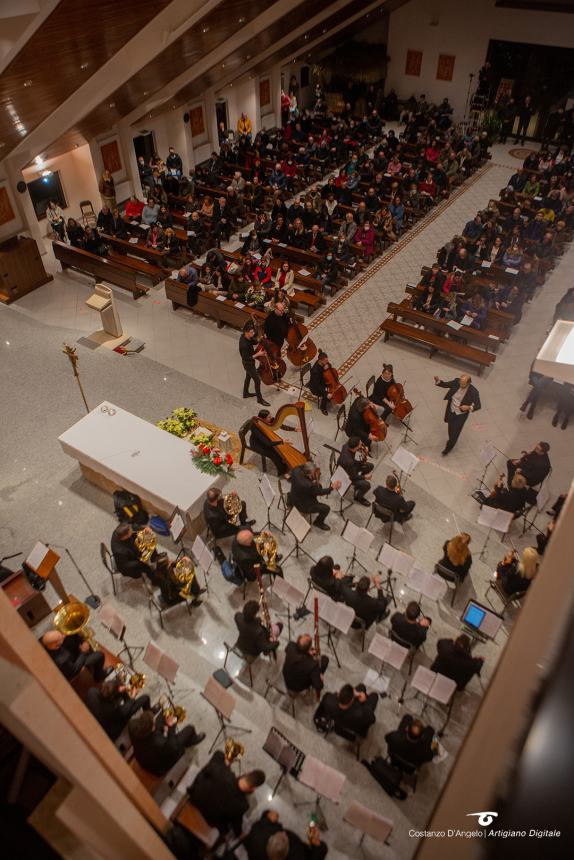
(290,455)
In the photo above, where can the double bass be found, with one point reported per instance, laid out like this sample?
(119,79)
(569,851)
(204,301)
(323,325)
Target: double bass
(396,395)
(299,353)
(271,368)
(337,392)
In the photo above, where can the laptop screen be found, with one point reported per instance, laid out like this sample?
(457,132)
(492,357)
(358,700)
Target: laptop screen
(474,616)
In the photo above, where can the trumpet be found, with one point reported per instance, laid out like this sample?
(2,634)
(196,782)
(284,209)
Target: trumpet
(267,548)
(170,710)
(135,681)
(233,751)
(146,543)
(232,506)
(184,572)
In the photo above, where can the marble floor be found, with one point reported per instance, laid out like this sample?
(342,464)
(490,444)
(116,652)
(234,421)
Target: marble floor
(187,361)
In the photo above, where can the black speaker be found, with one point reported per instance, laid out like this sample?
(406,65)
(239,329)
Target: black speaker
(186,117)
(21,187)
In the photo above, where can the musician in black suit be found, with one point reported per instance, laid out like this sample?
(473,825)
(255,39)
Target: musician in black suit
(390,497)
(72,653)
(454,659)
(329,577)
(350,708)
(411,625)
(246,556)
(533,465)
(301,668)
(221,796)
(113,705)
(305,491)
(262,445)
(462,399)
(126,555)
(249,350)
(359,471)
(157,743)
(217,519)
(368,609)
(412,742)
(254,638)
(356,424)
(317,384)
(277,325)
(268,838)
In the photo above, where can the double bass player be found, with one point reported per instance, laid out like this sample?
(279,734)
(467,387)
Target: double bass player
(249,350)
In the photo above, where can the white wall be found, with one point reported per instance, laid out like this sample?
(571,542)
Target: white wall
(464,29)
(77,176)
(241,98)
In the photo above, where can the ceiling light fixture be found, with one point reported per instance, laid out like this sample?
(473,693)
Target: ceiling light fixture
(84,66)
(112,105)
(27,83)
(242,20)
(205,29)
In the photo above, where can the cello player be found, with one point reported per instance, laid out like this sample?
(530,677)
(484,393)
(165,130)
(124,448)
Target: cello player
(380,391)
(317,384)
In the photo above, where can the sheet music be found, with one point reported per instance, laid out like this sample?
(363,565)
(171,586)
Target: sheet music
(427,584)
(340,475)
(405,460)
(454,324)
(466,320)
(511,271)
(168,668)
(37,555)
(395,559)
(266,490)
(487,453)
(364,819)
(376,682)
(133,240)
(304,272)
(357,536)
(388,651)
(287,592)
(486,264)
(322,779)
(110,619)
(442,689)
(176,526)
(152,656)
(220,299)
(423,680)
(298,525)
(494,518)
(220,698)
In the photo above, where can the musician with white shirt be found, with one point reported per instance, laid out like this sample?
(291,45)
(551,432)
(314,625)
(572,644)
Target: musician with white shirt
(462,398)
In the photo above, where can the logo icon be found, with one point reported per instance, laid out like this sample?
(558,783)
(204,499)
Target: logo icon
(484,818)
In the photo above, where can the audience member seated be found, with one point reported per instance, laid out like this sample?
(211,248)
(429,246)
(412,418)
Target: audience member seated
(76,233)
(113,704)
(134,209)
(411,625)
(514,575)
(454,660)
(301,669)
(150,212)
(105,221)
(390,497)
(350,708)
(216,517)
(254,638)
(221,796)
(411,742)
(269,840)
(72,653)
(369,610)
(55,218)
(157,742)
(457,557)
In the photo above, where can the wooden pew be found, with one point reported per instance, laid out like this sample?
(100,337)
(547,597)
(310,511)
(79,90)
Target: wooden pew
(191,818)
(437,343)
(113,271)
(223,312)
(311,300)
(139,249)
(497,322)
(466,333)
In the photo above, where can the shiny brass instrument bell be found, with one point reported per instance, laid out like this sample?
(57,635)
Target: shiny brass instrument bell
(232,506)
(136,680)
(73,618)
(267,548)
(184,572)
(233,750)
(146,543)
(170,710)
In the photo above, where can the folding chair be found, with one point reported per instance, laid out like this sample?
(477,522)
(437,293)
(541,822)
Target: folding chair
(450,577)
(507,599)
(110,565)
(303,371)
(385,515)
(88,214)
(341,419)
(370,385)
(406,768)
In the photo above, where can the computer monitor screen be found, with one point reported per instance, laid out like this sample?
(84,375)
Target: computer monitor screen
(481,619)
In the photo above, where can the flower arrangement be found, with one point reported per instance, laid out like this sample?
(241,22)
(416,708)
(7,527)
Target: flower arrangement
(211,460)
(201,438)
(181,422)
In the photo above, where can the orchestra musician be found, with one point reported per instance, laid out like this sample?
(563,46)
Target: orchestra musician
(72,653)
(113,704)
(380,391)
(262,445)
(268,838)
(359,471)
(390,496)
(277,325)
(350,708)
(157,743)
(249,350)
(512,498)
(254,637)
(329,577)
(317,383)
(216,517)
(305,491)
(516,575)
(246,556)
(368,609)
(221,796)
(411,625)
(170,586)
(412,742)
(127,556)
(533,465)
(357,424)
(301,669)
(462,398)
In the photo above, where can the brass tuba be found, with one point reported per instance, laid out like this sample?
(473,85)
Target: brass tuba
(267,548)
(232,506)
(136,680)
(233,750)
(73,618)
(171,710)
(146,543)
(184,572)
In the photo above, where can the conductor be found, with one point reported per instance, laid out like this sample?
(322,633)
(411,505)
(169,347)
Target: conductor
(462,399)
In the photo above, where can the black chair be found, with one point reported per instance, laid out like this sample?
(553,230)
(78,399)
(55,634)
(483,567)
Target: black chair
(361,625)
(304,370)
(394,637)
(350,736)
(450,577)
(507,599)
(156,601)
(385,515)
(341,419)
(248,659)
(406,768)
(370,385)
(109,563)
(242,433)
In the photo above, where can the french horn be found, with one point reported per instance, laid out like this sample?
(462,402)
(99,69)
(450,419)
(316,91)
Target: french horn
(232,506)
(233,750)
(267,548)
(184,572)
(146,543)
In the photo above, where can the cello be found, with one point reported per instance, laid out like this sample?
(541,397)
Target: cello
(337,392)
(271,368)
(377,426)
(299,353)
(396,395)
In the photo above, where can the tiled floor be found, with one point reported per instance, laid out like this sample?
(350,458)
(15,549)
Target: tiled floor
(187,360)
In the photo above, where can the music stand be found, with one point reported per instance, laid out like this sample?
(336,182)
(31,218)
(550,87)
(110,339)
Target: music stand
(223,704)
(337,616)
(487,455)
(494,519)
(176,525)
(268,493)
(387,651)
(117,627)
(369,823)
(394,560)
(289,757)
(325,781)
(359,538)
(299,528)
(542,499)
(289,595)
(426,585)
(434,686)
(406,462)
(340,475)
(162,663)
(203,558)
(408,429)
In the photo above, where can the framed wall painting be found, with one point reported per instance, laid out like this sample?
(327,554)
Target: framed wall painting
(196,122)
(111,158)
(445,67)
(6,211)
(264,92)
(413,63)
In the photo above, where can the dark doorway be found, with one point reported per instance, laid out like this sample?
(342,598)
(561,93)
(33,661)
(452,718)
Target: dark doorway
(221,113)
(144,145)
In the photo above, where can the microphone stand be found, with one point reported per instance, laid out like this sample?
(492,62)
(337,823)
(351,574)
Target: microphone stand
(92,600)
